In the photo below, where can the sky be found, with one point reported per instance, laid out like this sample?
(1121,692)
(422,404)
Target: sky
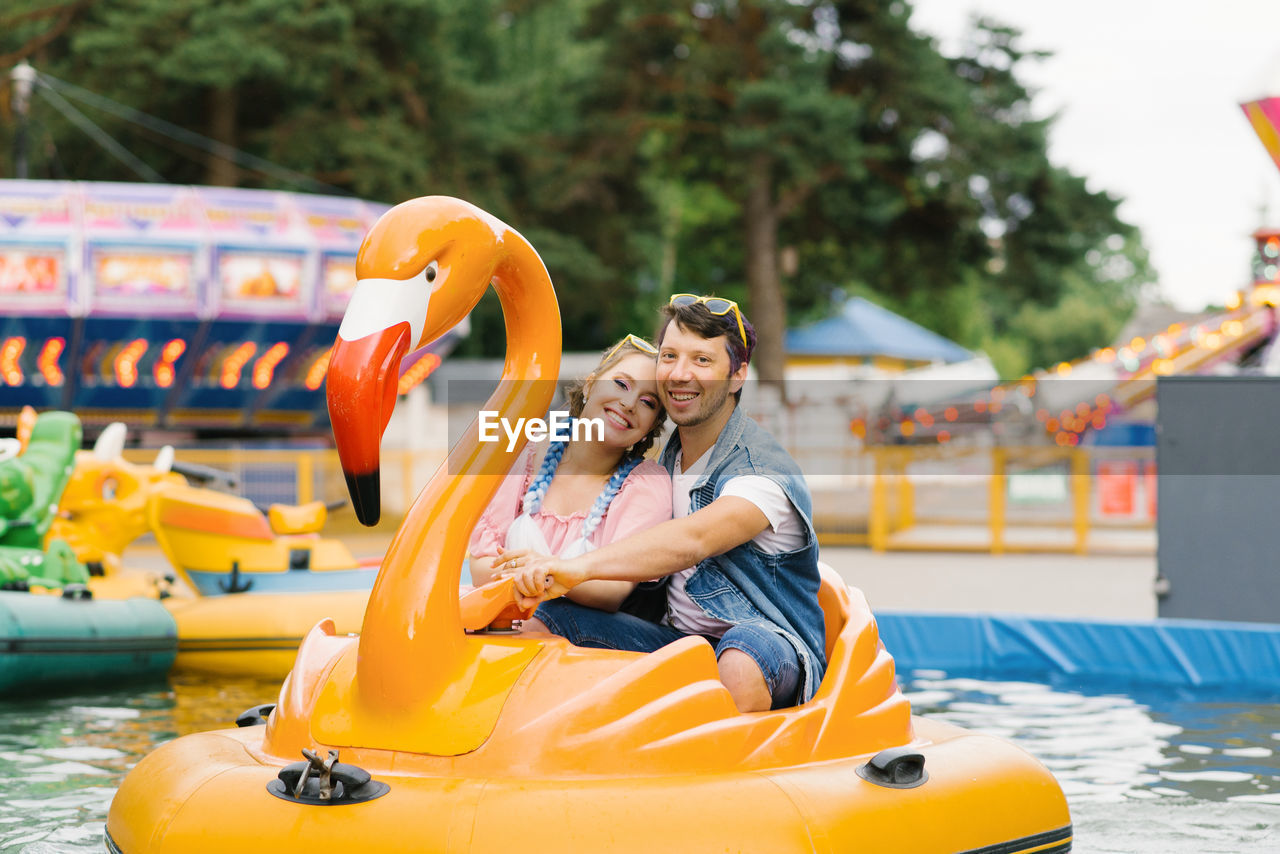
(1147,94)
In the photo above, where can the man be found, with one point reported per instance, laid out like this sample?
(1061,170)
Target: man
(739,560)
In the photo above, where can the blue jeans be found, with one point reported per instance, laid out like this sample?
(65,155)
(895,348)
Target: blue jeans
(590,627)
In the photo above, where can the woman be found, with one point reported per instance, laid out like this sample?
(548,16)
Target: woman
(567,498)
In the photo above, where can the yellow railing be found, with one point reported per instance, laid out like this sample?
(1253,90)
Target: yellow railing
(889,498)
(1079,519)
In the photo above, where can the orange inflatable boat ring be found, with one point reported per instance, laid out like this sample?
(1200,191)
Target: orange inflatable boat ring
(425,735)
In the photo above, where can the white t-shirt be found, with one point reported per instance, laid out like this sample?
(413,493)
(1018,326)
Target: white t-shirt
(786,532)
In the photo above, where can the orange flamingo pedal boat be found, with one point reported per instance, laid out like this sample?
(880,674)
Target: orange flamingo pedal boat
(428,733)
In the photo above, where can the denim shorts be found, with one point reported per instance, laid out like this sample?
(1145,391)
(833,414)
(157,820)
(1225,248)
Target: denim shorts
(590,627)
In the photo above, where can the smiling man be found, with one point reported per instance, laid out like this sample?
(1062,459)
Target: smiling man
(738,563)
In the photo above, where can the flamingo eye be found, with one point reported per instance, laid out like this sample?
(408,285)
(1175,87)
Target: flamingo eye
(433,270)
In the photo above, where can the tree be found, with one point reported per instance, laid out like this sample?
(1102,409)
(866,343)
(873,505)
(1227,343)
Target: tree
(30,25)
(773,151)
(738,95)
(238,60)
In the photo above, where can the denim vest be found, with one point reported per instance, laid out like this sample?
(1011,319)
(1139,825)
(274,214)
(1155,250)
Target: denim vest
(746,585)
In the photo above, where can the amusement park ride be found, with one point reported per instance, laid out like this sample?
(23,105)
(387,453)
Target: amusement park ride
(1072,402)
(177,308)
(1067,402)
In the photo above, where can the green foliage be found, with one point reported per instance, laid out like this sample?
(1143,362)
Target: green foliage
(643,147)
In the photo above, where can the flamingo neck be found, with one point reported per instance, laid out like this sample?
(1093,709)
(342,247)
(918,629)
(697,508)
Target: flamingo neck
(413,613)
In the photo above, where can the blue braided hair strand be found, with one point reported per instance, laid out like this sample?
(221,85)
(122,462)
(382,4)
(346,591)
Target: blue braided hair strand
(605,498)
(542,480)
(547,471)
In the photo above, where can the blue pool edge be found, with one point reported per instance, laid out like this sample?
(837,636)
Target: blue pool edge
(1167,652)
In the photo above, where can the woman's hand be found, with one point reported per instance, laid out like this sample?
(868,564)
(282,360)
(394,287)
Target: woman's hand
(538,577)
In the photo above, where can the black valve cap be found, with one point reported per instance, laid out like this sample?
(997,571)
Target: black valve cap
(895,768)
(255,715)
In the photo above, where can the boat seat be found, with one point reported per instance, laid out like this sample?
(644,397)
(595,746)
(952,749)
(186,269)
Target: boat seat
(306,518)
(833,597)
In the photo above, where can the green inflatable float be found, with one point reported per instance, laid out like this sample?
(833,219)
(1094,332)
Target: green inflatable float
(54,634)
(30,485)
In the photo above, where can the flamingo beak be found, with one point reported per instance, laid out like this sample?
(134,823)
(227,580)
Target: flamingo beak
(361,392)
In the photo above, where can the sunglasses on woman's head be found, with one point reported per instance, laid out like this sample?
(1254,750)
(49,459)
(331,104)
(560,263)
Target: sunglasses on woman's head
(719,306)
(635,341)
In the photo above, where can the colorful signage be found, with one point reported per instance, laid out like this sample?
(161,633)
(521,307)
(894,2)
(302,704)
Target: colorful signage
(141,209)
(260,281)
(132,274)
(247,213)
(339,278)
(36,206)
(39,271)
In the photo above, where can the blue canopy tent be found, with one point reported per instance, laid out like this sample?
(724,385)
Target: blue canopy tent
(866,330)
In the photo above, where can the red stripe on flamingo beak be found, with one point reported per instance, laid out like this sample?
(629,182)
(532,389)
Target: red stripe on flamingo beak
(361,391)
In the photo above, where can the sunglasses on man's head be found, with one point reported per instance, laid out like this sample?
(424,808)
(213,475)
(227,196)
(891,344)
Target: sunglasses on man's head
(635,341)
(719,306)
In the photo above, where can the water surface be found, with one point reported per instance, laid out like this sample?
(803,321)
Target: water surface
(1144,771)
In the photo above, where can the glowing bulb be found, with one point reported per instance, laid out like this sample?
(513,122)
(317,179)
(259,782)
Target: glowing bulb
(264,369)
(10,353)
(315,374)
(126,362)
(164,370)
(47,362)
(422,369)
(234,364)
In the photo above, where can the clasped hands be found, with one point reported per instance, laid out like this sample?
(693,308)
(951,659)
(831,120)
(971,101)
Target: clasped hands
(538,577)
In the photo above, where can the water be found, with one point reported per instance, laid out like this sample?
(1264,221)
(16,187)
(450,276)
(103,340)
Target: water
(1144,771)
(61,759)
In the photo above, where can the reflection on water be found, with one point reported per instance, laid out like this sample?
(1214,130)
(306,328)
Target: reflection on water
(1143,771)
(1112,746)
(1150,771)
(61,759)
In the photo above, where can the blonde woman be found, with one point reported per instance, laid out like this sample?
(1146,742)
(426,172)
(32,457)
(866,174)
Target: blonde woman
(569,498)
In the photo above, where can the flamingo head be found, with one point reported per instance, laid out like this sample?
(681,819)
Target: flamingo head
(422,267)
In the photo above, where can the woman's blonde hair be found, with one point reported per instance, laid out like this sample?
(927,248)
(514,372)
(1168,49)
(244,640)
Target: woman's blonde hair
(615,354)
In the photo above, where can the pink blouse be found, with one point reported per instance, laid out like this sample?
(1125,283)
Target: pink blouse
(643,501)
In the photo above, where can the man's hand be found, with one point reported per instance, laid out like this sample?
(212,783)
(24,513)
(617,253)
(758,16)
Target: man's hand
(538,577)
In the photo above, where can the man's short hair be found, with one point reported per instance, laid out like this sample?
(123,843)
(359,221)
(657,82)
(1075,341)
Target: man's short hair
(697,318)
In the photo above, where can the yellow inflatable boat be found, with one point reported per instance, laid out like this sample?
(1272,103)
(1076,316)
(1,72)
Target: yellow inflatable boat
(243,586)
(428,734)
